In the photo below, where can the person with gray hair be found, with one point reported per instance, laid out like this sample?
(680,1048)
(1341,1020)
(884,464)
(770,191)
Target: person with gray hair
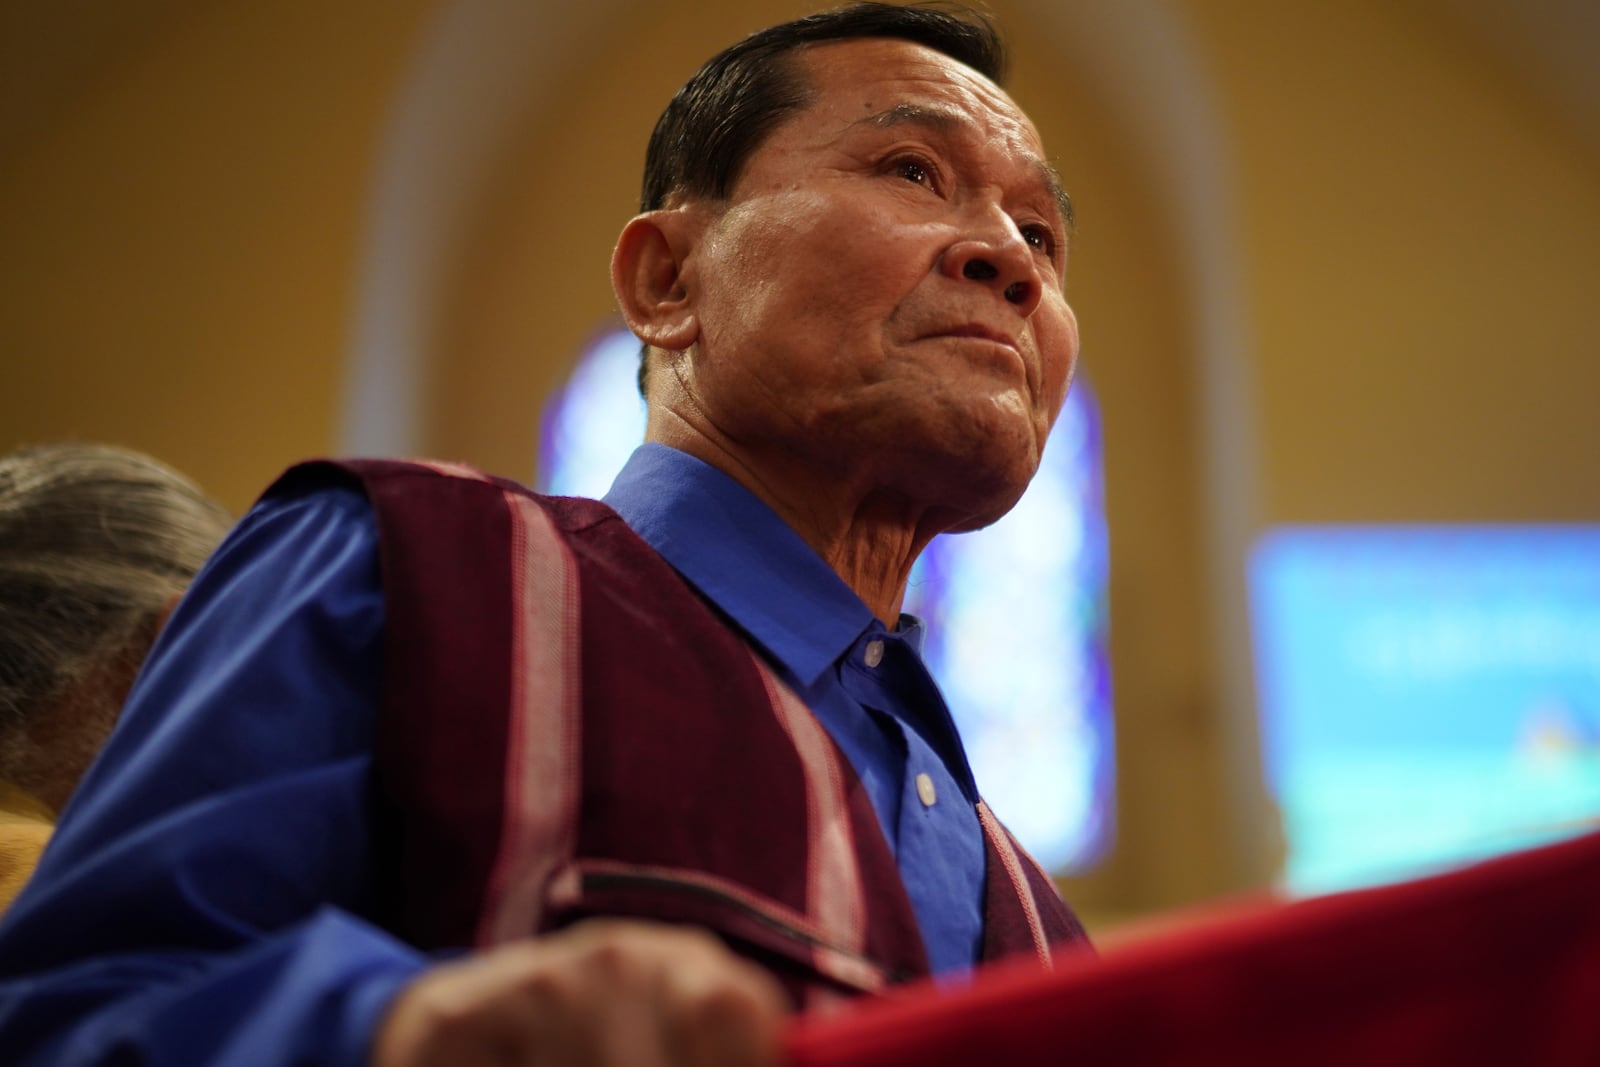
(96,545)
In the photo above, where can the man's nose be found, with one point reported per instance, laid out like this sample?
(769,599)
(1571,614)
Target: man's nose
(981,270)
(995,255)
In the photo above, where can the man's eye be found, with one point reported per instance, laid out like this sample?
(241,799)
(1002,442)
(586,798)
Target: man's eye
(1040,237)
(914,170)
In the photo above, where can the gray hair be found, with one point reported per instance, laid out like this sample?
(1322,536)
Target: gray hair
(94,543)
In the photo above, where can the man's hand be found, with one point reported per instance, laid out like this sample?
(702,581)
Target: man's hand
(602,993)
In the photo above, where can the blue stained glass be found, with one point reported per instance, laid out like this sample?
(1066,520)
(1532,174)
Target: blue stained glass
(594,422)
(1016,612)
(1430,695)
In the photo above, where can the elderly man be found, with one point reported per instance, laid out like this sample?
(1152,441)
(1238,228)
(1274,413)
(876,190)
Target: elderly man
(410,709)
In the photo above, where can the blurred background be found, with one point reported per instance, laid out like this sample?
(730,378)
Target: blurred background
(1331,267)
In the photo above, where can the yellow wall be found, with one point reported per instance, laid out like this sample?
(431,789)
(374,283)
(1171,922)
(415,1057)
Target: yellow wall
(1424,251)
(178,246)
(181,247)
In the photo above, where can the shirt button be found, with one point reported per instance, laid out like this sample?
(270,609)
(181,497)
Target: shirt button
(874,653)
(925,791)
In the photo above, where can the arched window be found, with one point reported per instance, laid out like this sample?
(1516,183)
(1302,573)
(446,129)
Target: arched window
(592,424)
(1016,612)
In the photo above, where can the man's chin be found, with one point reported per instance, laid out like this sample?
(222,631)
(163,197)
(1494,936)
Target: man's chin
(968,479)
(987,516)
(977,494)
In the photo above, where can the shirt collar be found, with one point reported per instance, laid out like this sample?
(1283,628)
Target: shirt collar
(742,557)
(911,628)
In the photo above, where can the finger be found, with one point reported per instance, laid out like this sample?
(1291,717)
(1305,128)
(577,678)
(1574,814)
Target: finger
(722,1011)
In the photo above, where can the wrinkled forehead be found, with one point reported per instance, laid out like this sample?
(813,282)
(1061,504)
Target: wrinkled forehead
(847,80)
(887,82)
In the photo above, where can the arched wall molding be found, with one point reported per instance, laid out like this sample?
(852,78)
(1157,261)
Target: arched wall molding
(482,68)
(1141,57)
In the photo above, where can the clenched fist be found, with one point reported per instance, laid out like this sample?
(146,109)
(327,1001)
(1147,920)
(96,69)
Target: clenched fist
(605,992)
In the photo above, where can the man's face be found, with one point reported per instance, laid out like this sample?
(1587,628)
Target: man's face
(881,294)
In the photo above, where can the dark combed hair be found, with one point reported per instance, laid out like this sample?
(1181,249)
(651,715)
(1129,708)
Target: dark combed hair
(723,113)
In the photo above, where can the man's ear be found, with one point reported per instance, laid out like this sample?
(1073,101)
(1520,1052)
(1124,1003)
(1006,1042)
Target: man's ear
(647,272)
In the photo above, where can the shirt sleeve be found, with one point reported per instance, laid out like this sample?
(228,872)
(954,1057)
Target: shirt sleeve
(203,899)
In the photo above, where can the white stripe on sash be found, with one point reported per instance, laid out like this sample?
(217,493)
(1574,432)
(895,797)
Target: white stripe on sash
(835,899)
(451,469)
(1019,880)
(539,822)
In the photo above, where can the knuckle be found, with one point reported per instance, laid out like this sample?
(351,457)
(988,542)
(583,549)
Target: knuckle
(612,955)
(727,1004)
(439,1017)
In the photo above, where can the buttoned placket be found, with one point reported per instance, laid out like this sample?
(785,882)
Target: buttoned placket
(936,819)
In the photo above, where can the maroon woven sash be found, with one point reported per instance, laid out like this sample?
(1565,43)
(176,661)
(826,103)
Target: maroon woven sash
(569,730)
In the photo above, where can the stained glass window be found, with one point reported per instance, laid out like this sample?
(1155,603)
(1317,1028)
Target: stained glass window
(1430,695)
(1016,612)
(592,424)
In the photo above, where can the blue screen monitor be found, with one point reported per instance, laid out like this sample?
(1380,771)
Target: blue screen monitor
(1429,695)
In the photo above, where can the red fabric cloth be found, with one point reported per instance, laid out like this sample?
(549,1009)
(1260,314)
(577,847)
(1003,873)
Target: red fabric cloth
(1495,964)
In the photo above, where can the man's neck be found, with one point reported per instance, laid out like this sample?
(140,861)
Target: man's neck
(869,537)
